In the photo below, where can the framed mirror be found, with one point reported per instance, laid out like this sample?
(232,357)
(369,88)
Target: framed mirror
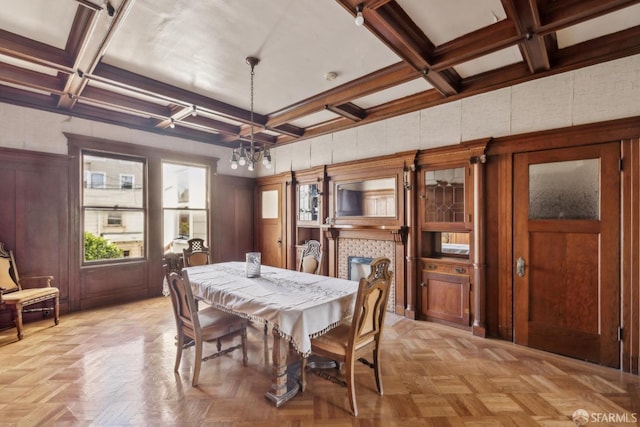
(366,198)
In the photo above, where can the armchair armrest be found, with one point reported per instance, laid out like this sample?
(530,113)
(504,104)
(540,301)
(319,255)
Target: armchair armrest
(42,281)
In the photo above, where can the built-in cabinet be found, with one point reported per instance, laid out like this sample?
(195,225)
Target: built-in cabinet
(448,229)
(310,210)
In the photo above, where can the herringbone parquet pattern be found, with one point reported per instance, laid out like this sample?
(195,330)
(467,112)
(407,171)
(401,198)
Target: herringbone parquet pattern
(114,367)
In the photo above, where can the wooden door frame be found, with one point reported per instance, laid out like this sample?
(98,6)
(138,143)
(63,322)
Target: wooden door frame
(500,243)
(608,225)
(283,182)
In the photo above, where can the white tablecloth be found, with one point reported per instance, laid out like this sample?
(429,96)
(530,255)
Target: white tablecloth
(298,305)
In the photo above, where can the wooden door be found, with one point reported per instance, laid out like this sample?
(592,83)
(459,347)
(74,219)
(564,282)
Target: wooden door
(566,251)
(270,225)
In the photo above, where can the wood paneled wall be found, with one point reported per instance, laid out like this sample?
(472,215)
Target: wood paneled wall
(34,215)
(500,207)
(232,226)
(39,222)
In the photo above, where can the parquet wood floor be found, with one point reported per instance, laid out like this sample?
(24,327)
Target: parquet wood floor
(114,367)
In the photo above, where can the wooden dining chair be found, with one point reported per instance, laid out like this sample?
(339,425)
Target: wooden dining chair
(311,258)
(206,325)
(196,253)
(17,293)
(351,341)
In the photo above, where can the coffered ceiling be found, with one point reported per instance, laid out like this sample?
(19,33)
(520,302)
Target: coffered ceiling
(177,67)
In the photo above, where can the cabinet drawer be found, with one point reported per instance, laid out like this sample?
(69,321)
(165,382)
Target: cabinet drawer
(437,267)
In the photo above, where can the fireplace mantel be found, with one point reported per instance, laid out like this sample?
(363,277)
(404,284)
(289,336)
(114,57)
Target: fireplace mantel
(395,233)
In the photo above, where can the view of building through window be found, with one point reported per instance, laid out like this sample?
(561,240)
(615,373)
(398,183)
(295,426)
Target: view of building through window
(113,206)
(185,205)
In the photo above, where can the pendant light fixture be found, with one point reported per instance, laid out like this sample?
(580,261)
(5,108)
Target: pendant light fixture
(250,156)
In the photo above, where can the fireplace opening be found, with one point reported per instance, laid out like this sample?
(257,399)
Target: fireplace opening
(359,267)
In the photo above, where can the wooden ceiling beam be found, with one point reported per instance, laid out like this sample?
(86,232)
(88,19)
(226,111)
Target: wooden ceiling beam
(136,83)
(126,103)
(605,48)
(140,123)
(288,129)
(525,15)
(348,110)
(385,78)
(390,23)
(32,79)
(558,14)
(90,35)
(34,52)
(481,42)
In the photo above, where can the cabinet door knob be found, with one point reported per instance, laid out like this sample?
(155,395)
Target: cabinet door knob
(431,267)
(459,270)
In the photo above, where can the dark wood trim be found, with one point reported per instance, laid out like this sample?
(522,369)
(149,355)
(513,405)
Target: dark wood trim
(630,253)
(573,136)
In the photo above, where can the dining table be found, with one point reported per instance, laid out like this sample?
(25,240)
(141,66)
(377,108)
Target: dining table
(296,306)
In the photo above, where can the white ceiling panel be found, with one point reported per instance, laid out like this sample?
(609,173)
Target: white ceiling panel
(603,25)
(26,18)
(443,21)
(315,118)
(202,46)
(493,61)
(400,91)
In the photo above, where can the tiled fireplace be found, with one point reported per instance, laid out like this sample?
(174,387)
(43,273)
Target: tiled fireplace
(367,248)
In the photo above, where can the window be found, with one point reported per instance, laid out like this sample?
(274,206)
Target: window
(94,179)
(126,182)
(185,205)
(113,220)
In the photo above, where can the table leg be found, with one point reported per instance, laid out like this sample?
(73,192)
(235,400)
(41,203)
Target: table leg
(284,385)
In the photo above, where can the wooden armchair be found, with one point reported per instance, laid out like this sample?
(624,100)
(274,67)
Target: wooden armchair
(311,258)
(202,326)
(196,254)
(16,295)
(351,341)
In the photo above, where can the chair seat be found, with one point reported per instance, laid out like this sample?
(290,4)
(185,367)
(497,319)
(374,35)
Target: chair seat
(30,295)
(336,340)
(216,323)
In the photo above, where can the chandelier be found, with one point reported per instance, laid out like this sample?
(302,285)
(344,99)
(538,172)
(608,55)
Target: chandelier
(251,155)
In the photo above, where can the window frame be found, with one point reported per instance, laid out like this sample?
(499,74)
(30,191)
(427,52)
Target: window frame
(182,205)
(143,209)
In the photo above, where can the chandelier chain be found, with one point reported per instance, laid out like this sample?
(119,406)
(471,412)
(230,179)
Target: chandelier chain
(251,155)
(252,73)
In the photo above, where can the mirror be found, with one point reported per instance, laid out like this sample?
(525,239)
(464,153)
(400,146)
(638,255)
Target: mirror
(368,198)
(308,202)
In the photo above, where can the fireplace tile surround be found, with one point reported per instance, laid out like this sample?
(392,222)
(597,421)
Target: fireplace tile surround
(366,248)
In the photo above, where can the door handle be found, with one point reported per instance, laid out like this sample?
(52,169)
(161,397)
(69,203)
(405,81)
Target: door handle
(520,266)
(279,243)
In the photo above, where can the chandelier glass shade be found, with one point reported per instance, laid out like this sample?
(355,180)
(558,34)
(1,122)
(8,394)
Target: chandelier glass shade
(249,156)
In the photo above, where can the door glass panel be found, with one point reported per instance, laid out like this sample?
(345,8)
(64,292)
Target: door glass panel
(270,204)
(565,190)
